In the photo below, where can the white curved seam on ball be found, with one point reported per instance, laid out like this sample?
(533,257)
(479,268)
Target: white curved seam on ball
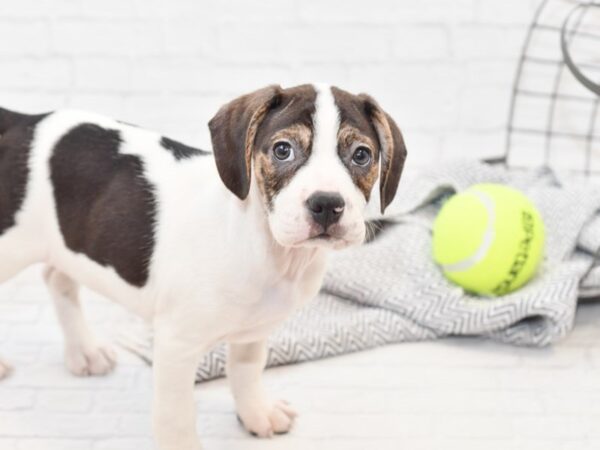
(486,242)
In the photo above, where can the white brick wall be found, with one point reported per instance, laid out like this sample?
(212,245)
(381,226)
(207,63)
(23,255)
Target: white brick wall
(442,68)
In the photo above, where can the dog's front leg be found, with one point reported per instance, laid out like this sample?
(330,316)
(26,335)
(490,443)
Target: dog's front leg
(174,411)
(259,414)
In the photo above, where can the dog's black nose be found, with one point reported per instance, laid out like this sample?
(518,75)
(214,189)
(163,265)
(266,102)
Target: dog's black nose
(326,208)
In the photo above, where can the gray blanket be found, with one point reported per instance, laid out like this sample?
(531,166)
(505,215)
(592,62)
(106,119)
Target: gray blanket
(389,290)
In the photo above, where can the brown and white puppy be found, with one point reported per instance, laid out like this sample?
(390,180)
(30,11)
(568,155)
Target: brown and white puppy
(206,252)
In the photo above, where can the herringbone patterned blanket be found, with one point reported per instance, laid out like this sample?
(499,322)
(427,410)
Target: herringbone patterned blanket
(389,290)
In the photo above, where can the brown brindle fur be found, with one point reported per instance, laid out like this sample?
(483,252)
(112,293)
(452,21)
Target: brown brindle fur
(254,119)
(356,128)
(290,121)
(349,139)
(272,177)
(363,113)
(233,131)
(296,133)
(260,119)
(16,136)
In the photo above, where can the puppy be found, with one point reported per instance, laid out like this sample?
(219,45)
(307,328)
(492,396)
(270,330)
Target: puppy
(206,247)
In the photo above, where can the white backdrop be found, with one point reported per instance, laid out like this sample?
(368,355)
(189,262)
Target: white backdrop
(442,68)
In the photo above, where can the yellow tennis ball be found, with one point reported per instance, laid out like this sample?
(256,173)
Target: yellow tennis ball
(489,239)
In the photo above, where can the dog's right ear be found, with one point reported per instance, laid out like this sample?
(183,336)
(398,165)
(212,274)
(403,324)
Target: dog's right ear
(233,131)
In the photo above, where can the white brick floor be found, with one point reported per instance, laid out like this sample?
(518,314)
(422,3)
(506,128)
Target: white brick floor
(462,393)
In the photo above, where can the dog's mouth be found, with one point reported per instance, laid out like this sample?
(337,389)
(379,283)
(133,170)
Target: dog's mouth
(322,236)
(335,236)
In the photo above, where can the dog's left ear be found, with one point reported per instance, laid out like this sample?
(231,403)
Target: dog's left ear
(393,150)
(233,131)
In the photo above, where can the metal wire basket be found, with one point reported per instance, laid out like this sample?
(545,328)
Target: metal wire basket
(554,117)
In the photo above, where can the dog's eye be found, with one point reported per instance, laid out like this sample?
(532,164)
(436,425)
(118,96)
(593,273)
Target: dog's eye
(361,156)
(283,151)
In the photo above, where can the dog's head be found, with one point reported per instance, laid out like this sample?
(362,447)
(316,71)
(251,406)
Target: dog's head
(315,154)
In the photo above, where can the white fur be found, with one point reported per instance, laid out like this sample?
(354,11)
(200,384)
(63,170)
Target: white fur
(220,270)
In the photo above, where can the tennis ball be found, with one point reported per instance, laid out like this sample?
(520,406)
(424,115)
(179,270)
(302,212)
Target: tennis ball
(489,239)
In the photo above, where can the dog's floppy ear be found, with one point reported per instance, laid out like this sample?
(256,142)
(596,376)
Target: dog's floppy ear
(393,150)
(233,130)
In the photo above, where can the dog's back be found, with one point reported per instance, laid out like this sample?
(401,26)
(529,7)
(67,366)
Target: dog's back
(78,191)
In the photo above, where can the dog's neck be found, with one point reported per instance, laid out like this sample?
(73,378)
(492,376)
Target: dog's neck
(296,261)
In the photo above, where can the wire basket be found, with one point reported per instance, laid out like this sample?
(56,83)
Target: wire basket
(554,117)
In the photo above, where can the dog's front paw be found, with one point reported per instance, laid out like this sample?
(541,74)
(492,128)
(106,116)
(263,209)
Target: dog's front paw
(84,361)
(271,418)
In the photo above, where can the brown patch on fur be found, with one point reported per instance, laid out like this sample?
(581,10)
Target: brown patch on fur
(393,150)
(266,177)
(255,121)
(348,135)
(355,129)
(16,134)
(291,121)
(233,131)
(272,175)
(248,125)
(349,139)
(251,124)
(104,203)
(364,114)
(366,181)
(297,133)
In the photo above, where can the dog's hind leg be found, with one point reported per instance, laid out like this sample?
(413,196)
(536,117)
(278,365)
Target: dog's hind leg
(83,355)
